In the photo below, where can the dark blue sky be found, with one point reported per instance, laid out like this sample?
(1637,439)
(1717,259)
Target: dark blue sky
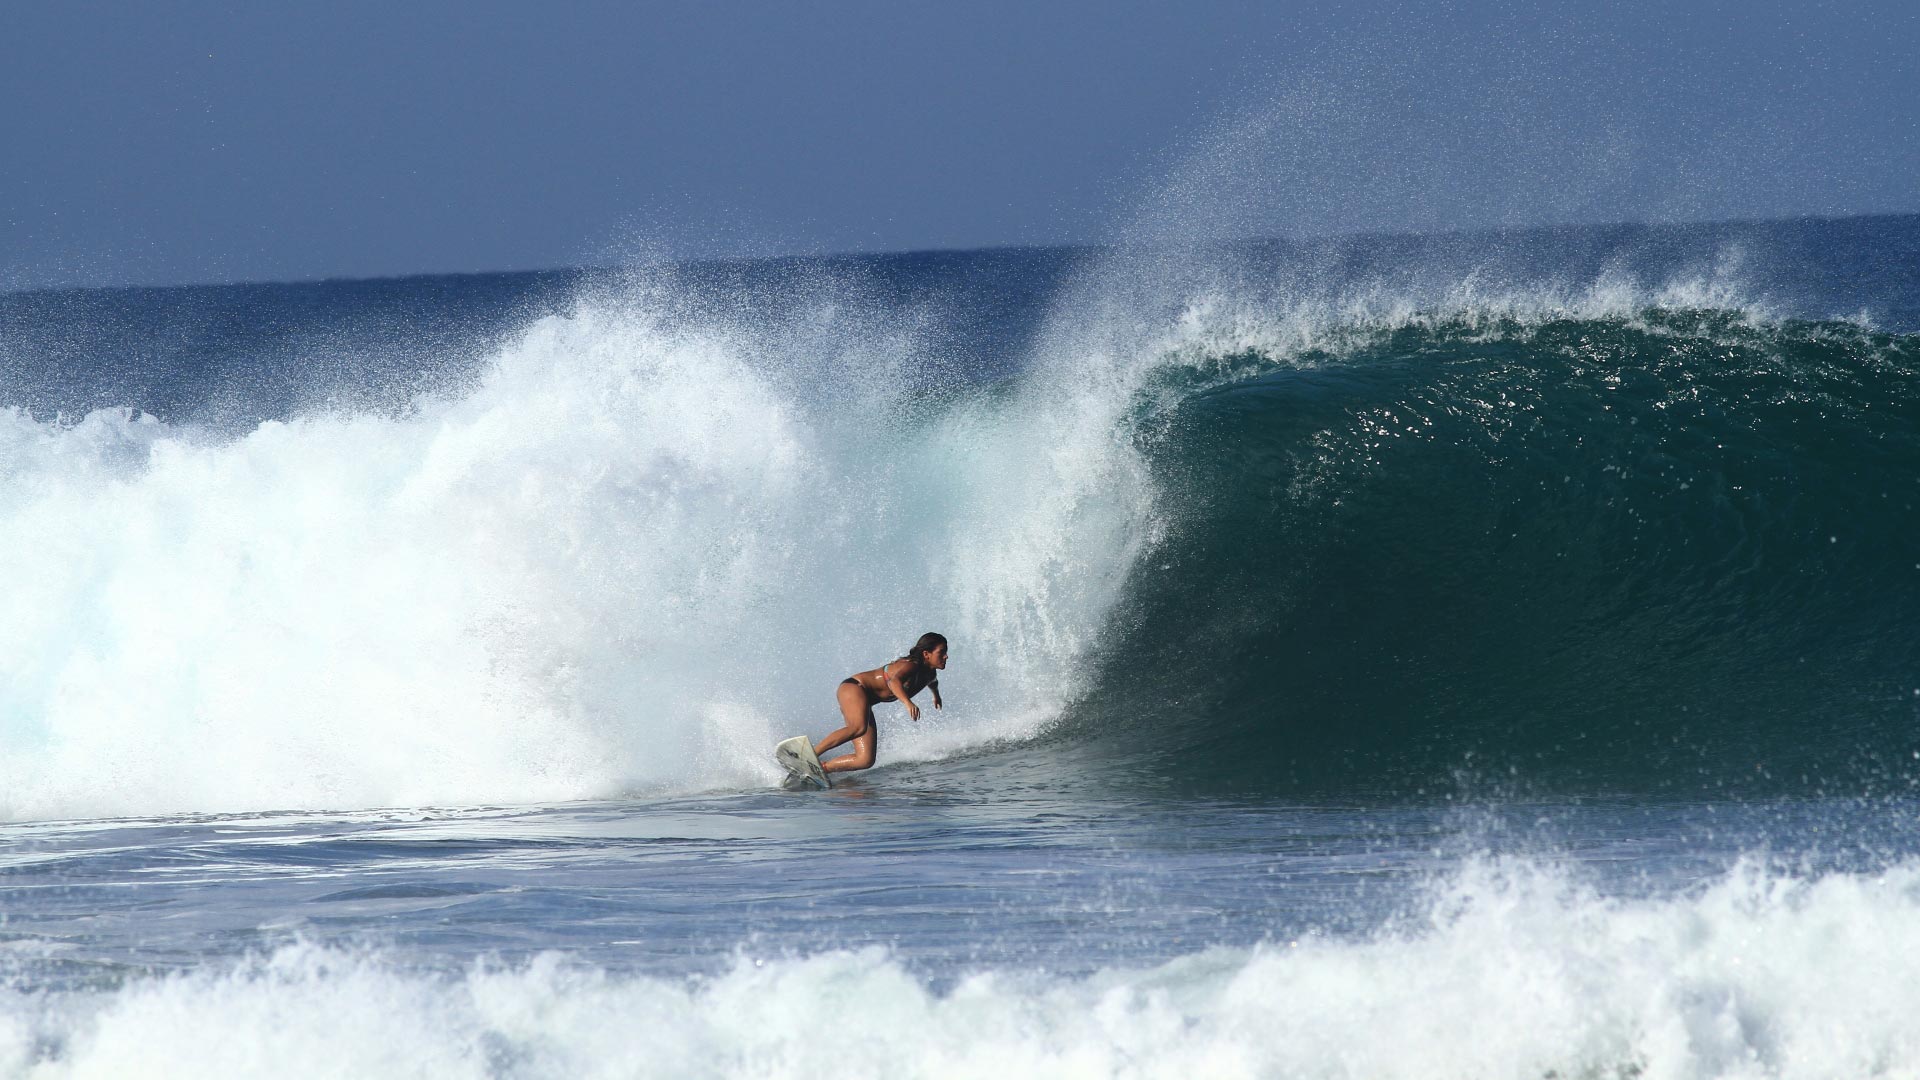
(210,142)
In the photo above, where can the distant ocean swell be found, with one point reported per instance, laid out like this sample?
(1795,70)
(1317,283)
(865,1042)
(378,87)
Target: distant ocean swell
(1614,536)
(1508,968)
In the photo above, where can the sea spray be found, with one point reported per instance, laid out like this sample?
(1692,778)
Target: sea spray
(357,610)
(643,546)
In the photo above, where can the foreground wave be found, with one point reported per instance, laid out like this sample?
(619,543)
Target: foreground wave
(1510,969)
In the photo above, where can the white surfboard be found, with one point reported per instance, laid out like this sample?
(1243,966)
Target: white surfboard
(797,757)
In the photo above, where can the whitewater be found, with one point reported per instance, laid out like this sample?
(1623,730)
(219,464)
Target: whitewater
(1470,655)
(579,579)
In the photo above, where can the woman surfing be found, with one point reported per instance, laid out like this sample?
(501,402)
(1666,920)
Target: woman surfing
(895,680)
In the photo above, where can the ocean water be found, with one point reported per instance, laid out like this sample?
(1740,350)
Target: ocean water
(1473,655)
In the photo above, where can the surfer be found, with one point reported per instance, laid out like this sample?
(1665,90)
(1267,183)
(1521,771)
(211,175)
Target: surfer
(895,680)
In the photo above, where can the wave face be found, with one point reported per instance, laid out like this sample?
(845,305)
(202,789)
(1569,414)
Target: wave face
(1367,517)
(1648,547)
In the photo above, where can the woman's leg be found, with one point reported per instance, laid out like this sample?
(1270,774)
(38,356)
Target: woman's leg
(857,717)
(866,746)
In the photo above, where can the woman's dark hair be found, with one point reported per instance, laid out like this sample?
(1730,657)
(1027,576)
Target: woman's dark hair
(928,642)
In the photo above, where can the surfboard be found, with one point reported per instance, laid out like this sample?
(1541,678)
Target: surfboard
(797,757)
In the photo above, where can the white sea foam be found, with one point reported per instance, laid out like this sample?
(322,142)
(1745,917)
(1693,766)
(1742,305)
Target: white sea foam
(1511,971)
(638,551)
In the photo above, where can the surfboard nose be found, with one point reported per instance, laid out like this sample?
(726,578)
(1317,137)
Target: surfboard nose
(797,757)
